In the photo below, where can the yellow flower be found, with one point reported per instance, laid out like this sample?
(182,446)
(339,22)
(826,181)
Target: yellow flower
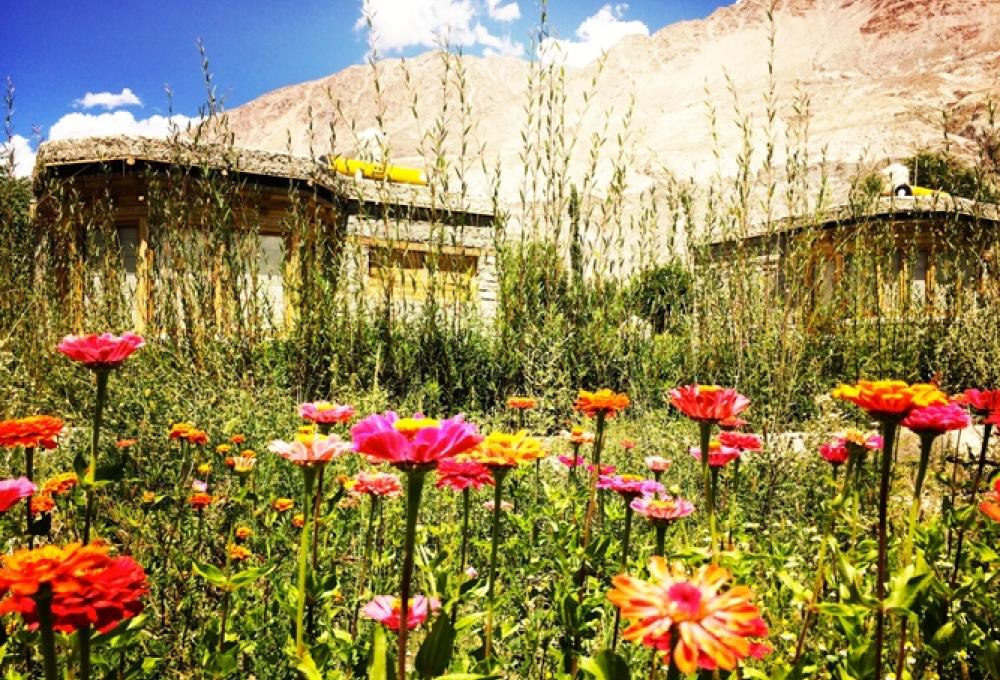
(204,469)
(500,449)
(237,553)
(223,449)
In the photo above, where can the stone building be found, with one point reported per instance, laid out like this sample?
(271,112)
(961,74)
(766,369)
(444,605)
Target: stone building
(400,235)
(927,248)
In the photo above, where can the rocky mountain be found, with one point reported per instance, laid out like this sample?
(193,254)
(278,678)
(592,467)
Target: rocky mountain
(872,79)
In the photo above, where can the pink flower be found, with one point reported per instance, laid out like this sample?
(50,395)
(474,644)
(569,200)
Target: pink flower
(380,484)
(310,450)
(464,475)
(471,573)
(628,444)
(629,486)
(708,403)
(326,412)
(102,351)
(199,486)
(605,469)
(504,506)
(385,610)
(13,490)
(744,441)
(937,420)
(657,463)
(662,510)
(718,455)
(572,461)
(834,452)
(413,442)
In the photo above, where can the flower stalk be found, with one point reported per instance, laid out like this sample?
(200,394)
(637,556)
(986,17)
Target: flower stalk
(499,473)
(309,477)
(414,489)
(889,428)
(43,601)
(101,376)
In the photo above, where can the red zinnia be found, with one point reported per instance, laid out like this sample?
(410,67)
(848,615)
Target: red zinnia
(102,351)
(744,441)
(464,475)
(708,403)
(31,432)
(375,484)
(834,452)
(983,402)
(718,455)
(89,588)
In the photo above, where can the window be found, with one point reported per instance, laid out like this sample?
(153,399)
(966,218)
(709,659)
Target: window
(408,269)
(270,278)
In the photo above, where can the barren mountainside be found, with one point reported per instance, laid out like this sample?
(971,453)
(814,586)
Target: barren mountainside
(881,77)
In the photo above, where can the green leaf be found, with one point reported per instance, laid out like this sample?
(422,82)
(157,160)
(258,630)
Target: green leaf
(210,573)
(435,652)
(378,666)
(606,665)
(905,589)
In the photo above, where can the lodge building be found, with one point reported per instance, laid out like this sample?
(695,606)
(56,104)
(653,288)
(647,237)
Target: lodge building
(396,233)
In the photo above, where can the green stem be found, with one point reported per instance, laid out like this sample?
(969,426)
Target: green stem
(926,443)
(705,432)
(414,489)
(83,638)
(29,472)
(673,672)
(714,472)
(102,394)
(365,557)
(624,565)
(466,500)
(595,474)
(661,538)
(987,431)
(309,476)
(498,474)
(888,441)
(43,604)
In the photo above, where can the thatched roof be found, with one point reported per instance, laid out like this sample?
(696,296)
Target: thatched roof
(249,162)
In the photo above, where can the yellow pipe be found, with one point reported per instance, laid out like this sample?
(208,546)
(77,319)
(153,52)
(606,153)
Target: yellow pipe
(378,171)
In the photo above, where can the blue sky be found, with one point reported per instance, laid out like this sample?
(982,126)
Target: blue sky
(125,53)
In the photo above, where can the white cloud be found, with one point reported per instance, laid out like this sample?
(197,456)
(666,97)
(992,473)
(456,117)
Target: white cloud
(24,155)
(76,125)
(505,13)
(398,24)
(596,35)
(493,46)
(109,100)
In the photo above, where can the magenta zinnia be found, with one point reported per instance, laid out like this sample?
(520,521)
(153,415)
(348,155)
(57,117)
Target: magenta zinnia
(104,351)
(629,486)
(413,442)
(13,490)
(386,610)
(662,510)
(326,412)
(937,419)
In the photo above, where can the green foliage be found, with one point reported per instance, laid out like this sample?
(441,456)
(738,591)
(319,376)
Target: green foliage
(936,170)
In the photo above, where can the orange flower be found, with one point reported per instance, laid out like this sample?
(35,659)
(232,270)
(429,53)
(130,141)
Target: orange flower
(522,403)
(282,504)
(713,628)
(502,450)
(180,430)
(299,520)
(125,443)
(200,500)
(991,502)
(223,449)
(237,439)
(88,586)
(890,400)
(42,503)
(237,553)
(603,401)
(61,483)
(30,432)
(148,497)
(243,533)
(248,453)
(577,436)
